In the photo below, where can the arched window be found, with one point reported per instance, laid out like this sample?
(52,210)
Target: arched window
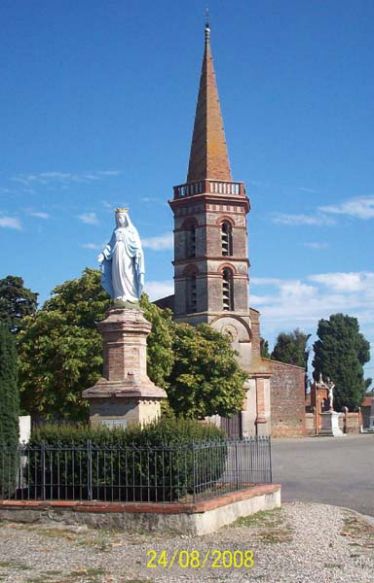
(227,290)
(191,241)
(226,238)
(191,293)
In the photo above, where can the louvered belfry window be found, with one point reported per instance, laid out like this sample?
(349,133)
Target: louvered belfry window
(227,290)
(191,241)
(191,293)
(226,238)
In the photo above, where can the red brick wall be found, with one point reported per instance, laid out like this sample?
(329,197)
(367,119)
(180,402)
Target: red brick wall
(352,422)
(287,400)
(256,335)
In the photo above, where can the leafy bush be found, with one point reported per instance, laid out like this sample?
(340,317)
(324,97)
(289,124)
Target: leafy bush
(165,461)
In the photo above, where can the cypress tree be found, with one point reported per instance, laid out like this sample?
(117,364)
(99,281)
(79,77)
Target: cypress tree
(9,396)
(291,347)
(16,302)
(340,353)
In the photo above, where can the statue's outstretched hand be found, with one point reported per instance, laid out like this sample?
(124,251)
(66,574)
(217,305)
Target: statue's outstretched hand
(101,258)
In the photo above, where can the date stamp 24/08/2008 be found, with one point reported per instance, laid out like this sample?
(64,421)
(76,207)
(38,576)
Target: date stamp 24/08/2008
(195,559)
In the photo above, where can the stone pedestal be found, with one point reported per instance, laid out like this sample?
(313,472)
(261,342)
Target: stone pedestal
(330,424)
(125,395)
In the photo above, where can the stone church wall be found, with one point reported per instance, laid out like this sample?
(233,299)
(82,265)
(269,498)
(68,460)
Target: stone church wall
(287,400)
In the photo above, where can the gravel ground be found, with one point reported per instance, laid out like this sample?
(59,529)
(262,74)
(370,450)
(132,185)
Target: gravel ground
(300,543)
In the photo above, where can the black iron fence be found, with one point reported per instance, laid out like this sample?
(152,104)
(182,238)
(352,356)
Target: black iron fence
(182,473)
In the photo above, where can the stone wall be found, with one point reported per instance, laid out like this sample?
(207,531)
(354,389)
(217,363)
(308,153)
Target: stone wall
(352,422)
(365,417)
(310,424)
(287,400)
(349,422)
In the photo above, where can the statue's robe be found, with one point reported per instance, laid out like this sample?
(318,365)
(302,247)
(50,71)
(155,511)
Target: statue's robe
(123,265)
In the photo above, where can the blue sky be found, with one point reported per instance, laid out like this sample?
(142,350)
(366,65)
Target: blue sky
(96,110)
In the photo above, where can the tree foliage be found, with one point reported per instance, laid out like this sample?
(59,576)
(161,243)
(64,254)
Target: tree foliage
(160,355)
(292,348)
(16,302)
(264,348)
(60,349)
(206,378)
(60,353)
(9,397)
(340,354)
(81,301)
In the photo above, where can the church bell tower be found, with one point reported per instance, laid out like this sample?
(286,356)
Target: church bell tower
(210,228)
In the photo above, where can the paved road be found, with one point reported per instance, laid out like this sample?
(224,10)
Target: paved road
(337,471)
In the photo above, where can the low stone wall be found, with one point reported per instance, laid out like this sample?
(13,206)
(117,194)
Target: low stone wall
(352,422)
(310,424)
(191,519)
(348,422)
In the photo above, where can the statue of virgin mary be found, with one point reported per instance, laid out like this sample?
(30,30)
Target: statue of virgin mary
(122,261)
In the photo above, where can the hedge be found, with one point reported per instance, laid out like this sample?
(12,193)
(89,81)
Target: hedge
(164,461)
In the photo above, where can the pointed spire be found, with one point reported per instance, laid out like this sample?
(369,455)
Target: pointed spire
(208,157)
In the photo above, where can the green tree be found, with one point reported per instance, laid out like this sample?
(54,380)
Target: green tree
(16,301)
(57,361)
(9,397)
(264,348)
(292,348)
(368,382)
(60,348)
(340,354)
(206,378)
(9,411)
(160,355)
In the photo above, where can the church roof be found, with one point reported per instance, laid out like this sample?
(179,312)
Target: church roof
(208,158)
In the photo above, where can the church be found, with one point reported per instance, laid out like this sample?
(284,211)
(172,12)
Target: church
(211,271)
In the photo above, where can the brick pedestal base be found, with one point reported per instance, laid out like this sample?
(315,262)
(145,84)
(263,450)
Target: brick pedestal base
(125,395)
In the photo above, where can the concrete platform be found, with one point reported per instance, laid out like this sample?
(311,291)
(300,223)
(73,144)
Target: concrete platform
(193,519)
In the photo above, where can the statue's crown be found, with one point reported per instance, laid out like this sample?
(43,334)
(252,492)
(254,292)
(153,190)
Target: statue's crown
(121,210)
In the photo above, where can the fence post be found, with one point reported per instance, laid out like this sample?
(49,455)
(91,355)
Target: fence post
(194,470)
(236,465)
(42,451)
(270,460)
(89,469)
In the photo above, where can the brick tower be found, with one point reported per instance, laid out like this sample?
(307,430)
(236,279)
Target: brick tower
(210,245)
(211,265)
